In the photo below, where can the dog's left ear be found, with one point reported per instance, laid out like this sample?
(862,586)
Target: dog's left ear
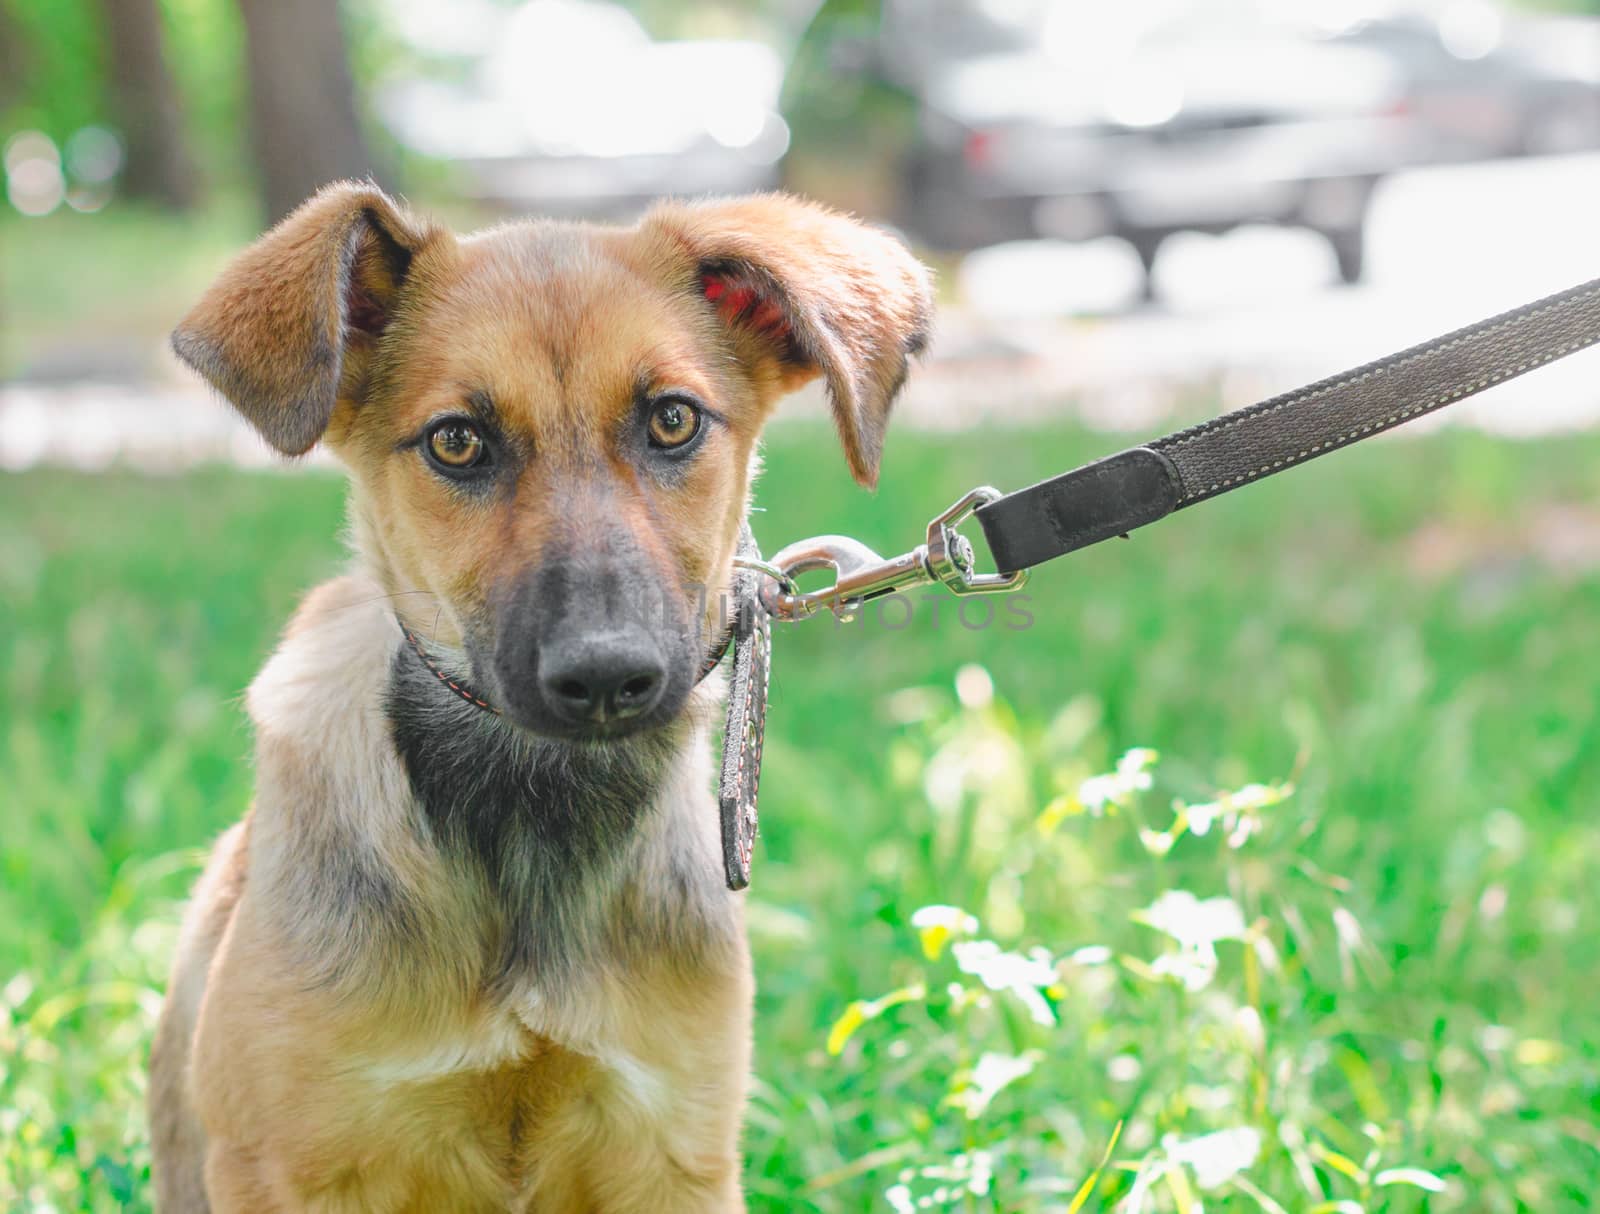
(806,291)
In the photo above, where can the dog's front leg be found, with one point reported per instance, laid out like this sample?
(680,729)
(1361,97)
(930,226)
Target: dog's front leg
(590,1160)
(686,1162)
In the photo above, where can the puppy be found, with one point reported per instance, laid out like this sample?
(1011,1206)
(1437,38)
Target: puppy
(471,949)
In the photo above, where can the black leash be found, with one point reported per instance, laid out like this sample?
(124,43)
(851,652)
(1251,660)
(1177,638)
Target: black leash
(1112,496)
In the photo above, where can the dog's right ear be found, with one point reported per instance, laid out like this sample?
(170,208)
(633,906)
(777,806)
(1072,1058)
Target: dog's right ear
(289,327)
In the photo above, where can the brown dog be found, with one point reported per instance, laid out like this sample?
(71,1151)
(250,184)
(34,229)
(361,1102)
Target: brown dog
(472,949)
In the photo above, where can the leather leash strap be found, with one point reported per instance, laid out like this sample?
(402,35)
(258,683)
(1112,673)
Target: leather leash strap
(1112,496)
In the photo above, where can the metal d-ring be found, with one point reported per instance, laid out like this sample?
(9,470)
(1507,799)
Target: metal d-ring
(768,568)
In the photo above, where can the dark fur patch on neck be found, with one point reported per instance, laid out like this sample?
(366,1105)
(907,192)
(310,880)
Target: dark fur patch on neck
(546,824)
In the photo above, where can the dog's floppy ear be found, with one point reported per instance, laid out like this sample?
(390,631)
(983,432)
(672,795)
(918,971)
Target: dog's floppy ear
(807,291)
(287,329)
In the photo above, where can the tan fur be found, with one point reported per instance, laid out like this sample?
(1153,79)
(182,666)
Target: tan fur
(313,1055)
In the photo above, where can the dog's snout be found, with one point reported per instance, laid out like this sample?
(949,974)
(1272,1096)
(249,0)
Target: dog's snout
(595,679)
(592,643)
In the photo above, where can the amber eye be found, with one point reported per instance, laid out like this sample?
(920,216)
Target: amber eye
(455,444)
(673,422)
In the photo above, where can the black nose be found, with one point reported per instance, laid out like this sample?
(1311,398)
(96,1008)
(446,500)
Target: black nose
(602,678)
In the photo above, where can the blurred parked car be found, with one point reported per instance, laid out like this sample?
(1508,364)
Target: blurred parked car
(1483,84)
(570,108)
(1200,126)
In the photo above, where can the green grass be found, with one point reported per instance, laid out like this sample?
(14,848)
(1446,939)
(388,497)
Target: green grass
(1392,630)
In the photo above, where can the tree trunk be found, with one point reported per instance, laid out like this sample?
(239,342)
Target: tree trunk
(302,101)
(14,59)
(145,106)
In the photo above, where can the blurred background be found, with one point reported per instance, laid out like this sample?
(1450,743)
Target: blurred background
(1333,949)
(1122,201)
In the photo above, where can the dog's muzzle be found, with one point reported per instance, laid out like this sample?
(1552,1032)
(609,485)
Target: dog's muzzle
(592,645)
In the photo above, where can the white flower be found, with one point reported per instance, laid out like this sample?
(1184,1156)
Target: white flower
(1239,811)
(1200,817)
(993,1074)
(1193,967)
(1134,766)
(937,925)
(1215,1158)
(1123,1068)
(974,687)
(1117,787)
(1097,790)
(1156,842)
(1191,922)
(1196,926)
(1003,971)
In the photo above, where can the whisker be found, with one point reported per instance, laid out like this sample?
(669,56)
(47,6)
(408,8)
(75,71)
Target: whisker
(378,598)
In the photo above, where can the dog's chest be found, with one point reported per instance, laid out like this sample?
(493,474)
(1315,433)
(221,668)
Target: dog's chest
(526,1034)
(462,1132)
(490,1115)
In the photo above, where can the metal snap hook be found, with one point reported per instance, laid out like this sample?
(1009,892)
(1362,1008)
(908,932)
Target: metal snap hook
(862,575)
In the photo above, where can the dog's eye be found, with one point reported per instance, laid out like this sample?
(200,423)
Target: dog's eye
(456,445)
(673,422)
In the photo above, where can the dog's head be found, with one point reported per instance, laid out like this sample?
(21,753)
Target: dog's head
(551,427)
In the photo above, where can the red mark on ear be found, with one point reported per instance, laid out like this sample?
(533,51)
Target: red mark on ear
(740,303)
